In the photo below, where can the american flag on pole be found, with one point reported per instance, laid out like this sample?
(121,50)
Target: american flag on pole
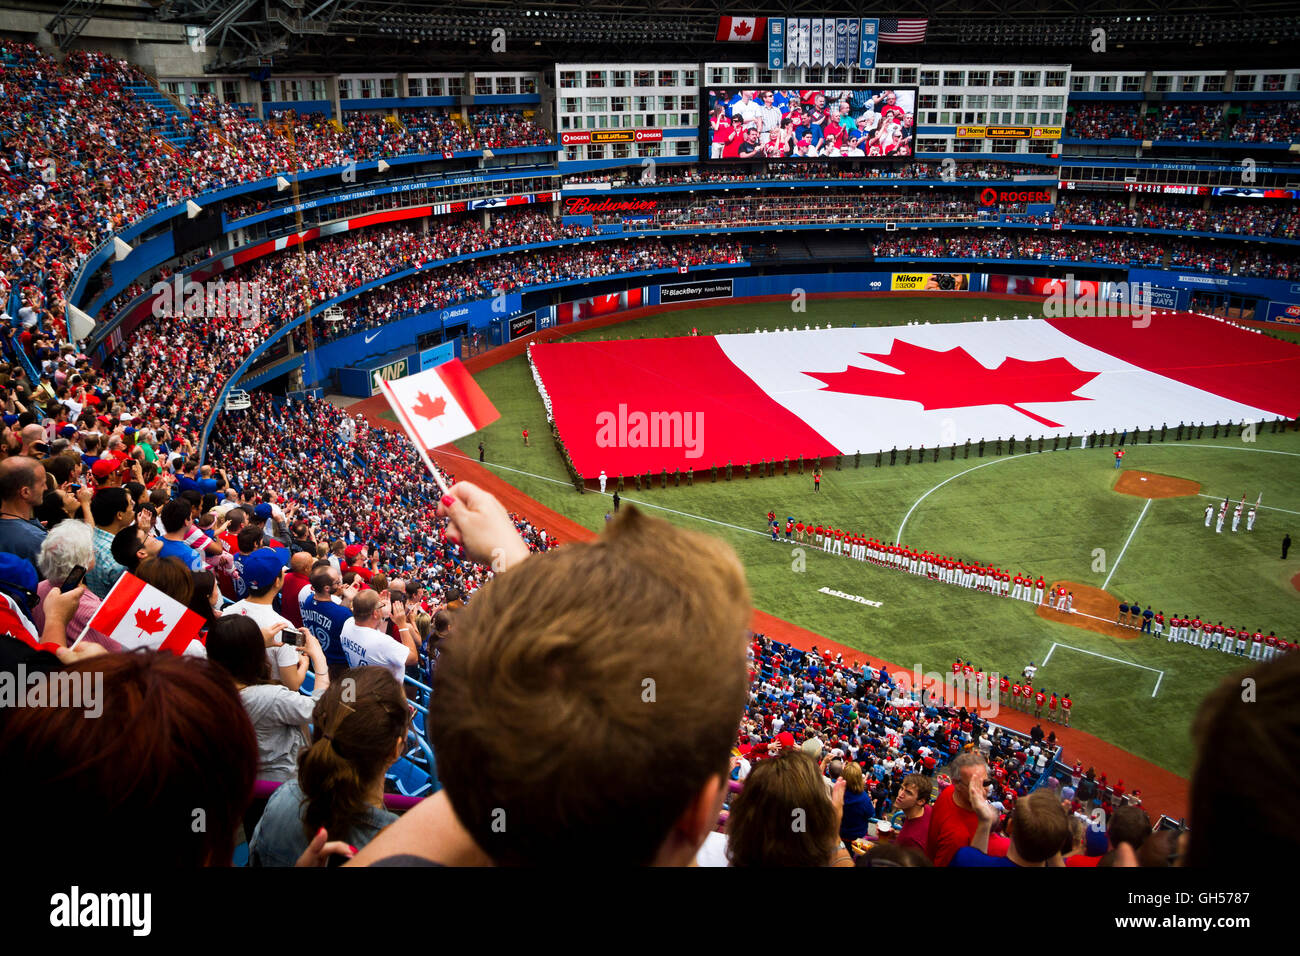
(894,30)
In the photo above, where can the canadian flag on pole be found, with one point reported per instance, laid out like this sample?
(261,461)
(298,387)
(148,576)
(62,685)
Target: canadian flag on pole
(743,29)
(136,615)
(439,405)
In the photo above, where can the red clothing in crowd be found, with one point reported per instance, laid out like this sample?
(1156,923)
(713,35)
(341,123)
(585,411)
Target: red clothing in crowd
(950,829)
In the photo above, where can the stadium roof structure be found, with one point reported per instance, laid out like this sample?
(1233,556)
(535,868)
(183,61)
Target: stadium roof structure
(349,35)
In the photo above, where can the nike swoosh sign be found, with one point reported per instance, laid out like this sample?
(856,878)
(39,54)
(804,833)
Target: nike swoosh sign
(369,337)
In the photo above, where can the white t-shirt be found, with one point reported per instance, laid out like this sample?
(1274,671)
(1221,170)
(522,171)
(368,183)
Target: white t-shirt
(265,616)
(366,647)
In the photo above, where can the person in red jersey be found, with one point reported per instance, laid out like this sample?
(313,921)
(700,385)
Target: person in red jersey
(1040,587)
(1257,646)
(1015,695)
(1199,636)
(1158,628)
(956,666)
(954,821)
(1004,688)
(1051,706)
(1066,706)
(1039,697)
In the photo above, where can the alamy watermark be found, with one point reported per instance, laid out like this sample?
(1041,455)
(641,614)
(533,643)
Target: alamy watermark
(62,689)
(1090,299)
(216,298)
(977,694)
(655,429)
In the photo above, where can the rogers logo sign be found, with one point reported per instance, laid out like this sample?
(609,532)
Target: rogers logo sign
(991,197)
(581,205)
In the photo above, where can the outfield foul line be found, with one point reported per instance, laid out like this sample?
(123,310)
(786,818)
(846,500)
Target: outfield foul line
(1126,544)
(635,501)
(1117,660)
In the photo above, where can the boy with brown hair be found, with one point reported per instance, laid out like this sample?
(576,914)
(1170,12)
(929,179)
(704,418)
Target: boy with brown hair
(586,710)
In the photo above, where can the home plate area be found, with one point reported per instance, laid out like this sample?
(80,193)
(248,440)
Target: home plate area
(632,406)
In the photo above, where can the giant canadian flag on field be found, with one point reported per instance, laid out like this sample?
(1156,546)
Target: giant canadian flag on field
(439,405)
(629,406)
(732,29)
(136,614)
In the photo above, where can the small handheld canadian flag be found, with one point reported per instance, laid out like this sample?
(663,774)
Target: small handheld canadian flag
(136,614)
(438,406)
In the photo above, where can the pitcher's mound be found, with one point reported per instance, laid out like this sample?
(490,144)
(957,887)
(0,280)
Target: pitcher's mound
(1093,610)
(1144,484)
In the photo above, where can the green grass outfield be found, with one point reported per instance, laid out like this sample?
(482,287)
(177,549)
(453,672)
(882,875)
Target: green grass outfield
(1043,512)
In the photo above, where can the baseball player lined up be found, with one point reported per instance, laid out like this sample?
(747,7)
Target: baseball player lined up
(934,566)
(1240,642)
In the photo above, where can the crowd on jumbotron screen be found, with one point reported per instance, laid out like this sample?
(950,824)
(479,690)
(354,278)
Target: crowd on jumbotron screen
(313,573)
(780,124)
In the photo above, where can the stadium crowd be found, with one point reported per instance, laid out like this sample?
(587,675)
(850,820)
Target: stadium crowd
(83,156)
(328,267)
(508,273)
(1200,256)
(1103,121)
(1275,220)
(310,522)
(670,174)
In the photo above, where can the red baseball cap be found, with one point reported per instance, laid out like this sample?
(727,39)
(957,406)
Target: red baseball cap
(105,467)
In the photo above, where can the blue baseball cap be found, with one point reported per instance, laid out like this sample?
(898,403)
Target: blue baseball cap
(262,511)
(262,568)
(68,431)
(10,419)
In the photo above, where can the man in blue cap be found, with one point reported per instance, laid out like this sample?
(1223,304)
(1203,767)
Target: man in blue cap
(262,514)
(263,572)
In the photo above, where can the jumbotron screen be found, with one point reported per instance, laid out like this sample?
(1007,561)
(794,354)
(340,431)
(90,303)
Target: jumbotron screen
(768,124)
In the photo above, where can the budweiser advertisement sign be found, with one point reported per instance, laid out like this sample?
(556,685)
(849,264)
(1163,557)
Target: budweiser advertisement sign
(581,137)
(583,206)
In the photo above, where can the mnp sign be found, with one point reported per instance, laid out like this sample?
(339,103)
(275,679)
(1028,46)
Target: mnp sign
(398,369)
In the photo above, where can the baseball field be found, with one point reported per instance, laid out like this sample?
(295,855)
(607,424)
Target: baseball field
(1052,513)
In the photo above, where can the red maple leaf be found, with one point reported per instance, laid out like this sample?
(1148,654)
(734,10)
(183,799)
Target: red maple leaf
(742,27)
(149,622)
(429,409)
(953,379)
